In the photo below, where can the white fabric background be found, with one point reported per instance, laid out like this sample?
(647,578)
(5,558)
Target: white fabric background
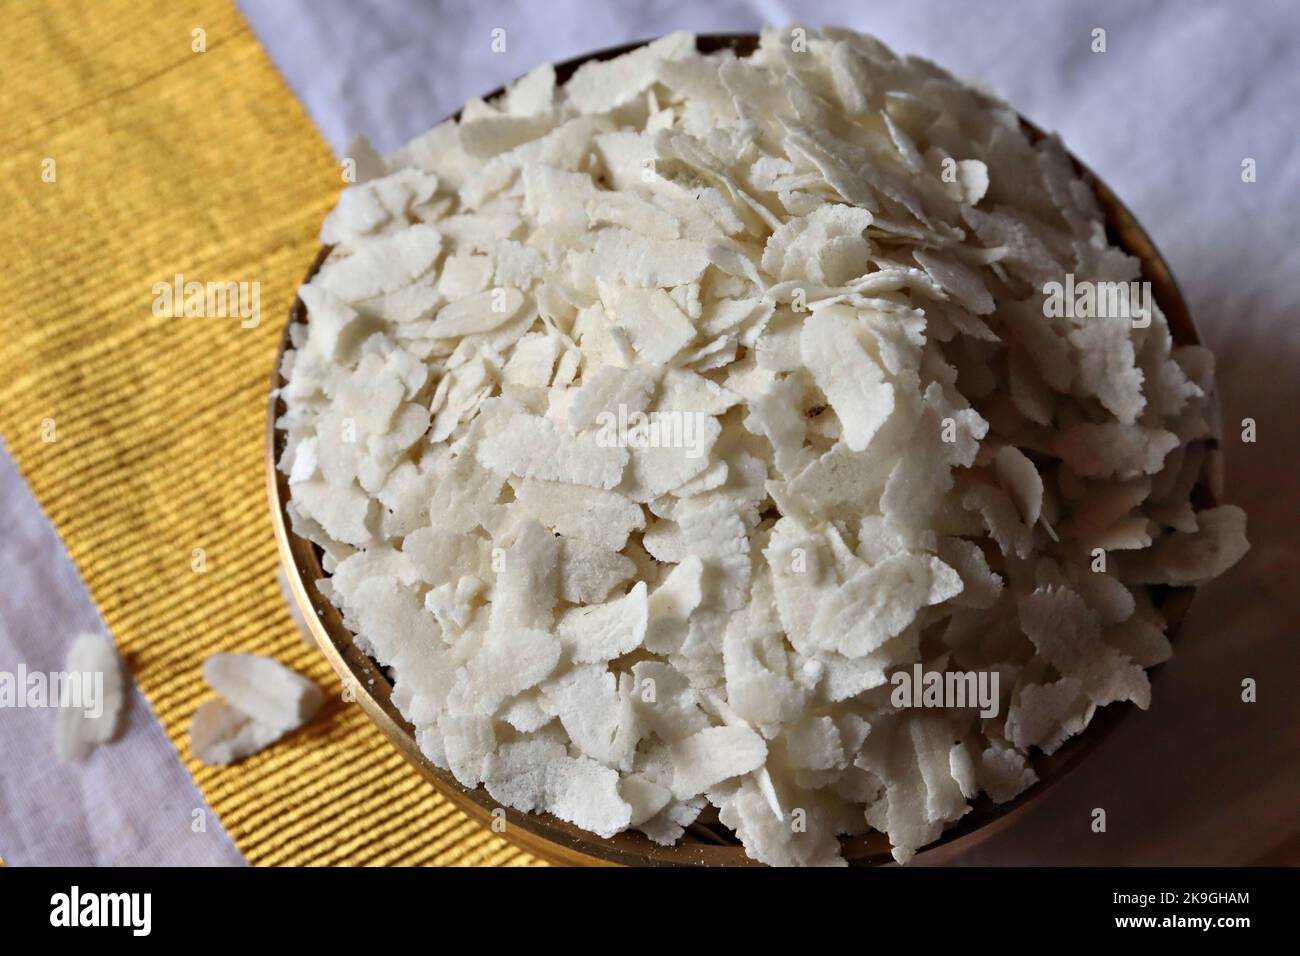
(130,803)
(1185,92)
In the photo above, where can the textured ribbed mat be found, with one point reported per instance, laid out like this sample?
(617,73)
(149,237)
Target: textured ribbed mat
(129,157)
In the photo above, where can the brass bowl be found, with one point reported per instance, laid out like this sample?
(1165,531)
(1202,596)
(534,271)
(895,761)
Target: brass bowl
(706,843)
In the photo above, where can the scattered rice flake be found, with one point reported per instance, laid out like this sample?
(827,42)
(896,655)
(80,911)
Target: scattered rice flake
(91,698)
(264,689)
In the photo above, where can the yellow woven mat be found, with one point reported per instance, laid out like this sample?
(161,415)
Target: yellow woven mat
(166,161)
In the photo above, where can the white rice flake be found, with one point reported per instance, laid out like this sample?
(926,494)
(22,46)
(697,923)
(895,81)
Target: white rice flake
(853,383)
(90,702)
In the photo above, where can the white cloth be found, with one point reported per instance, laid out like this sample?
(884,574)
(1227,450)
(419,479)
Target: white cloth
(1183,94)
(132,802)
